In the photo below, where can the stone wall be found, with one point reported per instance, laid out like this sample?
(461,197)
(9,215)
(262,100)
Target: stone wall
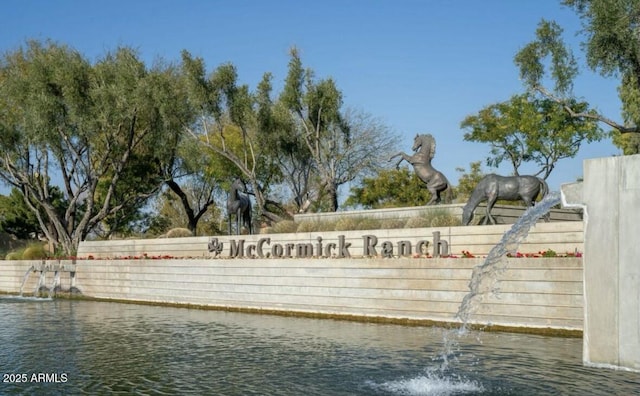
(504,214)
(611,193)
(535,293)
(562,237)
(17,273)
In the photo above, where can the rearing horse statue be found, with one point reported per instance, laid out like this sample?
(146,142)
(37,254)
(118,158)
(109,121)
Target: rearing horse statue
(424,147)
(240,205)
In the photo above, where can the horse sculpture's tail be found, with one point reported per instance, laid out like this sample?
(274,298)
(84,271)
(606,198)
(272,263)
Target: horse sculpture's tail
(449,193)
(544,188)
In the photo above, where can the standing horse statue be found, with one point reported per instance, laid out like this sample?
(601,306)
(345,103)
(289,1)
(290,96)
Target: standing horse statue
(424,147)
(511,188)
(240,206)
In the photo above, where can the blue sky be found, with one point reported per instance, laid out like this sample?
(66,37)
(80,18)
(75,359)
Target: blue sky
(420,66)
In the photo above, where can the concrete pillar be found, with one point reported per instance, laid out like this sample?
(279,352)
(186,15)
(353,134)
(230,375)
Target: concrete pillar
(610,194)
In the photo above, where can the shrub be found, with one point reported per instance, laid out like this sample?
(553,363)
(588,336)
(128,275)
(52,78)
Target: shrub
(392,223)
(326,225)
(548,253)
(442,218)
(346,224)
(13,256)
(267,230)
(368,223)
(285,226)
(434,218)
(431,218)
(34,251)
(418,222)
(179,233)
(308,226)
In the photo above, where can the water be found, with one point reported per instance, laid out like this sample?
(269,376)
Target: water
(129,349)
(24,279)
(106,348)
(484,276)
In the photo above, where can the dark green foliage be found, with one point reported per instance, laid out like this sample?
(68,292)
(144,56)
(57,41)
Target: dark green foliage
(468,181)
(16,218)
(390,188)
(530,129)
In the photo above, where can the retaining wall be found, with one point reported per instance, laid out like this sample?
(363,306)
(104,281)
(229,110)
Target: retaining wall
(538,293)
(504,214)
(562,237)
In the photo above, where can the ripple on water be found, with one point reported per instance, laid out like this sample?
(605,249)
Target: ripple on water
(109,348)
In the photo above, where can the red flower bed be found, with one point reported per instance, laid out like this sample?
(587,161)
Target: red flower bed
(464,254)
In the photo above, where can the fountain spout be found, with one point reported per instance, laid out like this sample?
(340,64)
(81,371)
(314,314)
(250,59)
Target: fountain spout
(572,197)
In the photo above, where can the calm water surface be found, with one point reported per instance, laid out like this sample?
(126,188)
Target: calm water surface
(100,348)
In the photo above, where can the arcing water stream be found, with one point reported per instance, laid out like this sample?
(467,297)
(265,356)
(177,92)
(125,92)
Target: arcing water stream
(484,276)
(442,380)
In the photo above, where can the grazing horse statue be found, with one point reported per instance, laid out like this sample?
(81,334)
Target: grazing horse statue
(424,147)
(511,188)
(240,206)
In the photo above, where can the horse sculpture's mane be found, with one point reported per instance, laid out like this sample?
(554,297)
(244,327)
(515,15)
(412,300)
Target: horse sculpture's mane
(431,146)
(428,144)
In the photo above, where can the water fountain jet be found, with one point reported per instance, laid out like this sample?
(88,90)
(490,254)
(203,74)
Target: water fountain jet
(25,278)
(484,276)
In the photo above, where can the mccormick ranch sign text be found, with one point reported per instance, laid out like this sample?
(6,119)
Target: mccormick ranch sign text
(321,248)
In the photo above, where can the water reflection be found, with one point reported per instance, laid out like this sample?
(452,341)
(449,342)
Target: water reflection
(109,348)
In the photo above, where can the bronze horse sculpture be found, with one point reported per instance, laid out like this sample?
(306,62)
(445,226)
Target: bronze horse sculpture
(424,148)
(511,188)
(240,206)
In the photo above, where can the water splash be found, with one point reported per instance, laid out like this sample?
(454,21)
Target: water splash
(432,384)
(439,381)
(484,276)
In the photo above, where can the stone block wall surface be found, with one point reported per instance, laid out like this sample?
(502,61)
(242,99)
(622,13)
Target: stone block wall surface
(561,237)
(611,193)
(533,292)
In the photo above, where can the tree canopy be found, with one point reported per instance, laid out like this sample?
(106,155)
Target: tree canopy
(87,144)
(341,144)
(612,48)
(529,129)
(389,188)
(94,128)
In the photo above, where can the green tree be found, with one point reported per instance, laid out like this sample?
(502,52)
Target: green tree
(194,177)
(227,125)
(15,216)
(301,142)
(168,211)
(612,48)
(388,189)
(292,156)
(468,180)
(340,145)
(529,129)
(318,122)
(99,129)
